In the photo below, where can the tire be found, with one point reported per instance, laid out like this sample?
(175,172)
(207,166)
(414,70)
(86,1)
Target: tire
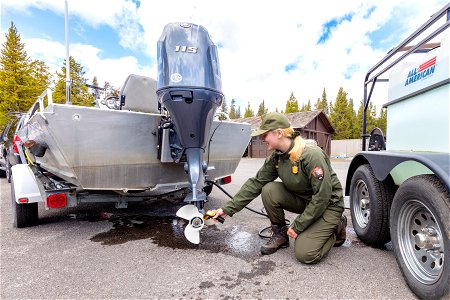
(370,202)
(24,215)
(420,228)
(8,172)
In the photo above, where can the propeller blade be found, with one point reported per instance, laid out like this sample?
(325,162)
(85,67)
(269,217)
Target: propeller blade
(192,231)
(187,212)
(192,234)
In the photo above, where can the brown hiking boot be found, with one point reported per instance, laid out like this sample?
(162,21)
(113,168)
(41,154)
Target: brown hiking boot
(278,240)
(341,233)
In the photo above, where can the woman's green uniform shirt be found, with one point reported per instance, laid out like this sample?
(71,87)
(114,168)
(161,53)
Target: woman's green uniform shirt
(319,190)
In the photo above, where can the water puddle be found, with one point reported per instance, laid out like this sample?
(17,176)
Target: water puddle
(168,231)
(353,240)
(158,223)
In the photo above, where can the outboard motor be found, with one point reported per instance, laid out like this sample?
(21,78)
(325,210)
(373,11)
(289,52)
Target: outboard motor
(189,87)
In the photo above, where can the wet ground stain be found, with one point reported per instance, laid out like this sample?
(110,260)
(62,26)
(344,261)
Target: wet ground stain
(353,240)
(260,268)
(157,222)
(168,231)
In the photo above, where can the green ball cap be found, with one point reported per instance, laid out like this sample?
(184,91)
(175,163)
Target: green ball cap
(272,121)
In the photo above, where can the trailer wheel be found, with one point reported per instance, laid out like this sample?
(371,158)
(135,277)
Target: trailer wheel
(370,202)
(24,215)
(420,228)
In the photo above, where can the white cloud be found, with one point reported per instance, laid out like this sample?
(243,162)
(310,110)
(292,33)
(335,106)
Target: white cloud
(258,40)
(120,15)
(261,38)
(114,71)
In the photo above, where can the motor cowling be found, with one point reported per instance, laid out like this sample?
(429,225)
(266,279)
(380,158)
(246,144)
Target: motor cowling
(189,83)
(189,88)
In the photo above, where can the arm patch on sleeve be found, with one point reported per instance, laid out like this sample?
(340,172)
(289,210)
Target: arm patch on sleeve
(318,173)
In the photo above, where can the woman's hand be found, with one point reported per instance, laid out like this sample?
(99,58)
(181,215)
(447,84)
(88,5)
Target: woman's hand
(292,233)
(219,213)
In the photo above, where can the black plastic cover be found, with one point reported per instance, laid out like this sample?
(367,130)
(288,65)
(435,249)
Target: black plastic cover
(187,58)
(189,83)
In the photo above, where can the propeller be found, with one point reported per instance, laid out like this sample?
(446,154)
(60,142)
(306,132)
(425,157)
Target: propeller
(192,230)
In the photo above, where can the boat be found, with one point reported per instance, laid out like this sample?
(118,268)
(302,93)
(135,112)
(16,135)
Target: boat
(157,136)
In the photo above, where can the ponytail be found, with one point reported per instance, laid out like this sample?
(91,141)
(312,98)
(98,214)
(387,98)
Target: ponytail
(299,144)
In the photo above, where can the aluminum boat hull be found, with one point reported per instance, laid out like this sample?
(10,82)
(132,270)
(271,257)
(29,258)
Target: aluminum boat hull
(98,149)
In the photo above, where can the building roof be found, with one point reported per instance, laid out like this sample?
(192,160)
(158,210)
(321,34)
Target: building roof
(299,120)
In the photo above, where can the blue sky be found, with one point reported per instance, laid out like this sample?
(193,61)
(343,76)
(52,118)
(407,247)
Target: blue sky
(46,24)
(267,50)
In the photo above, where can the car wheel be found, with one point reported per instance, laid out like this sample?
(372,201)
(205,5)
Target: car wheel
(420,228)
(24,215)
(8,172)
(370,202)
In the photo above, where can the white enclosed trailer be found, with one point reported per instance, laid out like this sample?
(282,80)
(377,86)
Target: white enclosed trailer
(402,191)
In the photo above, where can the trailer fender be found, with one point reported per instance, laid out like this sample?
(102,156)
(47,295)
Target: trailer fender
(25,184)
(382,163)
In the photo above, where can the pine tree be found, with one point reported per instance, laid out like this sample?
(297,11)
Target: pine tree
(292,104)
(325,103)
(322,103)
(382,120)
(238,113)
(249,112)
(41,78)
(357,127)
(262,110)
(95,92)
(342,117)
(224,109)
(308,106)
(79,91)
(22,80)
(351,114)
(318,104)
(224,105)
(303,108)
(232,113)
(371,120)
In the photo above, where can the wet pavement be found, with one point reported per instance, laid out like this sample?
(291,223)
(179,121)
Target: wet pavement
(96,251)
(234,240)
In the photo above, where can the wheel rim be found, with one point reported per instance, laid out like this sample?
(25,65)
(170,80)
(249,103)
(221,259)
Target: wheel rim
(420,241)
(361,202)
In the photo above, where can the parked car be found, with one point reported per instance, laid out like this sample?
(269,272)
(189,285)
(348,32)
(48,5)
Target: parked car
(9,152)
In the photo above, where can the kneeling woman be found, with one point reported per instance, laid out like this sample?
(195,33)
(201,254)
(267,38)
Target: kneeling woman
(308,186)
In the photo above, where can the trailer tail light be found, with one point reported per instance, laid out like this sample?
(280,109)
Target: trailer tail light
(15,148)
(23,200)
(57,200)
(225,180)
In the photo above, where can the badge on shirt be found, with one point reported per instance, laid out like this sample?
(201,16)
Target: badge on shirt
(318,173)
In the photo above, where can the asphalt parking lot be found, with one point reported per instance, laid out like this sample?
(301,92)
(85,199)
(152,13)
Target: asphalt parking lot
(98,252)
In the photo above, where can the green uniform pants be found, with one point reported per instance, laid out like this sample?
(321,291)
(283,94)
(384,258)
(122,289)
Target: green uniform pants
(316,241)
